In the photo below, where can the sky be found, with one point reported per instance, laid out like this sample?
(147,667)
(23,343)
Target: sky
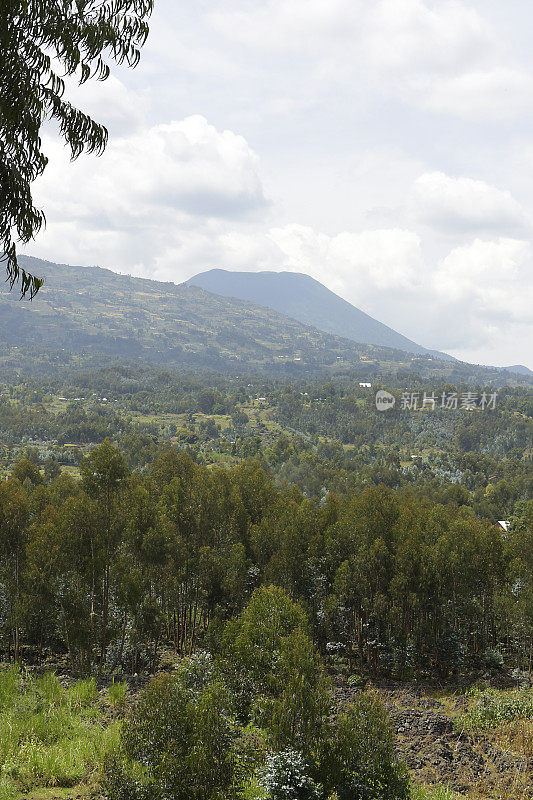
(384,147)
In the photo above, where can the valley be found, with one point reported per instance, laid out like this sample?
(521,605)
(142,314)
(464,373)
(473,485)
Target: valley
(175,498)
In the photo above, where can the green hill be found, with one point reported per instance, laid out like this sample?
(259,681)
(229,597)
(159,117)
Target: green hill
(92,310)
(89,313)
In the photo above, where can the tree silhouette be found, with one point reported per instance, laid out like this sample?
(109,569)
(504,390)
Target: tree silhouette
(41,43)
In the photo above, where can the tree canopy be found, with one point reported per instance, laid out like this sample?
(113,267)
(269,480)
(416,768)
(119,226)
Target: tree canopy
(42,42)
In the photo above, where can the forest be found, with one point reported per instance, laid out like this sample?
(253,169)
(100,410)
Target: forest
(111,567)
(280,555)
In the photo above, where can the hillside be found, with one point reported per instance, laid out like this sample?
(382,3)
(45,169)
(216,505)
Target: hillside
(519,369)
(88,313)
(95,311)
(305,299)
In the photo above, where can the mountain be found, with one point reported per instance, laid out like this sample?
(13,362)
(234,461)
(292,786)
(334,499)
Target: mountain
(520,369)
(89,310)
(305,299)
(87,316)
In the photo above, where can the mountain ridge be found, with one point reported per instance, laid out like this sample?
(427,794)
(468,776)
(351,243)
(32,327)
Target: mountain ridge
(95,310)
(87,314)
(305,299)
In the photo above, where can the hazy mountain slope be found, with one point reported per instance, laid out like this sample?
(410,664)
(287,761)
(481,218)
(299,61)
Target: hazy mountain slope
(305,299)
(93,310)
(519,369)
(88,315)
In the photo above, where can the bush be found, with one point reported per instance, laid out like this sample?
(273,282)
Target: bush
(492,659)
(286,777)
(296,713)
(358,759)
(356,681)
(252,642)
(450,653)
(177,743)
(197,672)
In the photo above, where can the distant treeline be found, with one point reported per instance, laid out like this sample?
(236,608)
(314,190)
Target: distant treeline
(320,436)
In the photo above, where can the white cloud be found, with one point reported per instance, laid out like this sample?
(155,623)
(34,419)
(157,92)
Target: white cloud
(358,264)
(415,36)
(497,94)
(161,194)
(392,34)
(495,278)
(482,299)
(148,180)
(441,56)
(122,110)
(462,204)
(296,25)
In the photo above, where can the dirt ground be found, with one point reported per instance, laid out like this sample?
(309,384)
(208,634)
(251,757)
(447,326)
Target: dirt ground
(484,764)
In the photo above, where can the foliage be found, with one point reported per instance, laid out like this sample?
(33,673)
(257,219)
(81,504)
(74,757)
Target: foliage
(492,659)
(176,744)
(36,36)
(183,740)
(492,707)
(296,712)
(115,568)
(253,640)
(358,759)
(50,735)
(286,777)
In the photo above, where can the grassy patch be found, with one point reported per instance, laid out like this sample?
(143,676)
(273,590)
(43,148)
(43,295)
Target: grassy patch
(50,735)
(117,695)
(491,708)
(421,792)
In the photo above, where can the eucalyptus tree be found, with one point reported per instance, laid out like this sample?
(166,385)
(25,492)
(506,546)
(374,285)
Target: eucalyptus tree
(14,517)
(42,42)
(104,472)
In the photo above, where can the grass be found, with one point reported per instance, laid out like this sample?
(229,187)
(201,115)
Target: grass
(422,792)
(505,719)
(51,735)
(80,791)
(117,695)
(491,708)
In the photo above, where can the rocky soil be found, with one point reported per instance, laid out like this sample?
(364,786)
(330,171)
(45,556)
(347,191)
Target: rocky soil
(435,751)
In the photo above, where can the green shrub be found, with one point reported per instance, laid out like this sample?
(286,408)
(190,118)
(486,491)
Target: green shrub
(177,744)
(356,681)
(252,642)
(492,659)
(251,748)
(450,653)
(296,712)
(357,758)
(286,777)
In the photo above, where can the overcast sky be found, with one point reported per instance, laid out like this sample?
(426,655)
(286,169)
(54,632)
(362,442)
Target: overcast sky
(384,147)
